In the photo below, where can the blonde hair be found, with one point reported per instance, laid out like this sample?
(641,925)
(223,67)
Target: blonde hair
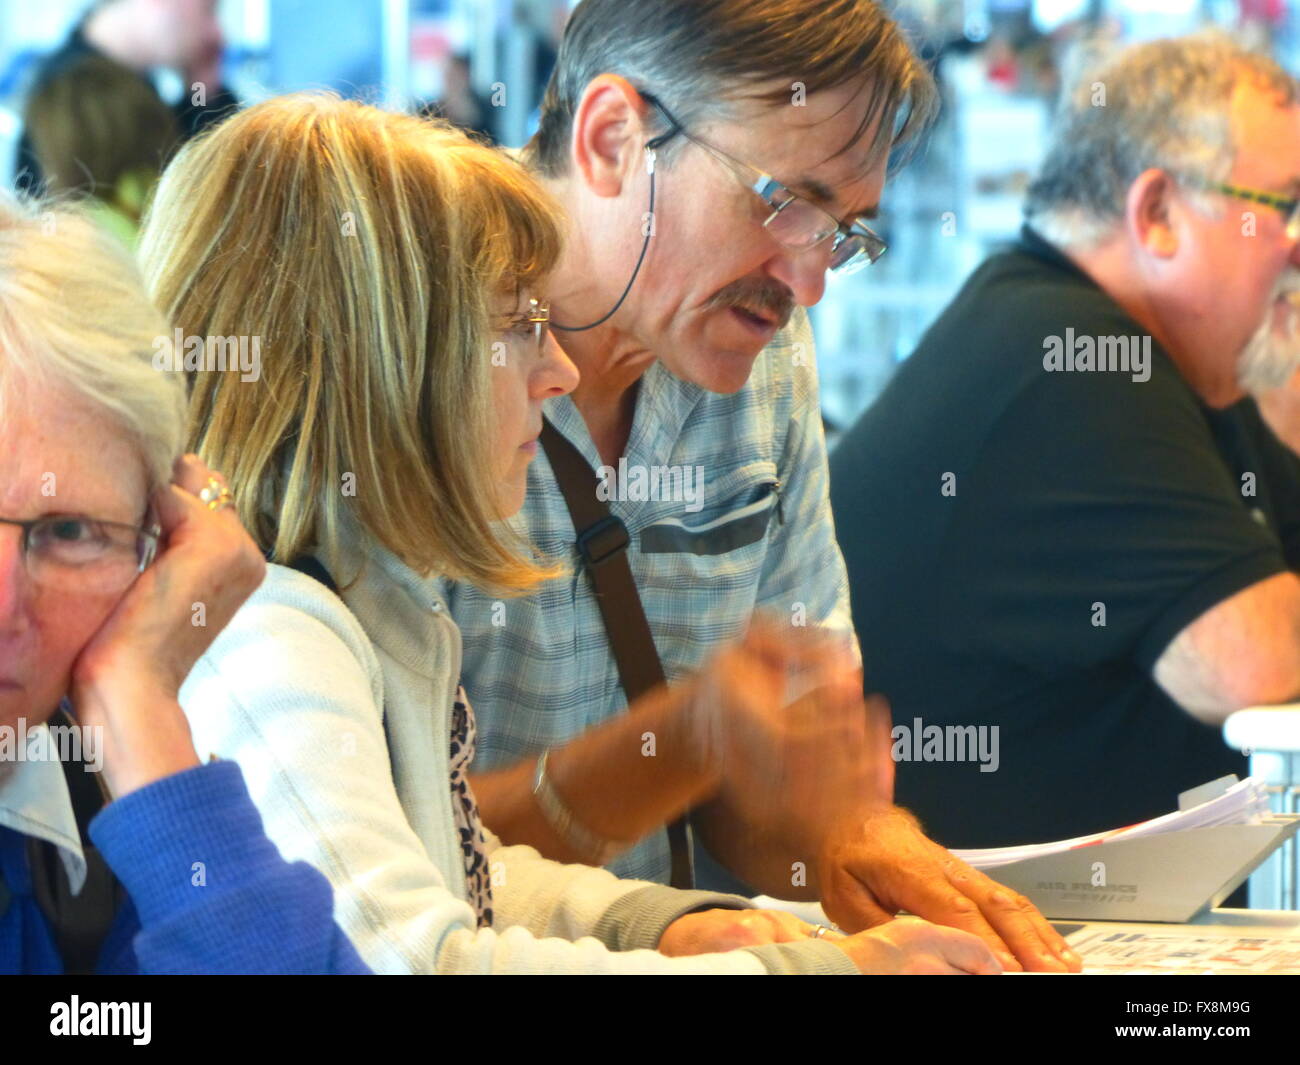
(74,317)
(363,249)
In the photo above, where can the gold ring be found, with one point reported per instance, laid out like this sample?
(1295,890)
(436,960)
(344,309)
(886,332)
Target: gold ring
(216,495)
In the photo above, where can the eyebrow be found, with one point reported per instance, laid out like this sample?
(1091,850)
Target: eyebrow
(824,196)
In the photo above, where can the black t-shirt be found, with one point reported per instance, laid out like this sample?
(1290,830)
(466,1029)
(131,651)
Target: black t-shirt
(1022,546)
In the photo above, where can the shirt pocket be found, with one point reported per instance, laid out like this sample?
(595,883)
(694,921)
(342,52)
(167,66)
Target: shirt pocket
(747,498)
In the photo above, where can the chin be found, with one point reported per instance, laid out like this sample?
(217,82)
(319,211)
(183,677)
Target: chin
(722,372)
(16,706)
(510,500)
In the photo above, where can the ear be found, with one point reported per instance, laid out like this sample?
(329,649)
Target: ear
(1151,213)
(609,134)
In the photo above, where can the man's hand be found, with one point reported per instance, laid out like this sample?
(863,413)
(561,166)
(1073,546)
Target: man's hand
(709,931)
(781,718)
(880,862)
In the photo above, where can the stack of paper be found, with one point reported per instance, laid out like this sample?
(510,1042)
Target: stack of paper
(1244,803)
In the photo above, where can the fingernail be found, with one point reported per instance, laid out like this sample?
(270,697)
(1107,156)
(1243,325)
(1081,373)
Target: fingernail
(1010,963)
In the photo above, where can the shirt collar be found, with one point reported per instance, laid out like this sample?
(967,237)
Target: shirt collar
(1032,242)
(34,800)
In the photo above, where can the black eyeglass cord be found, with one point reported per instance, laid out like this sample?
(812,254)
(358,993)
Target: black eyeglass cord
(650,148)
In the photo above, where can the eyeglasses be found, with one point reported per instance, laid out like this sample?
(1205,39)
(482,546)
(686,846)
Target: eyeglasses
(74,553)
(1286,204)
(795,222)
(535,322)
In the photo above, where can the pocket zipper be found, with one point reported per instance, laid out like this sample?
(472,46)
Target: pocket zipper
(780,508)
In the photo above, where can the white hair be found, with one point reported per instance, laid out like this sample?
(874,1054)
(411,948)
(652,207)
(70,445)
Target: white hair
(1164,104)
(75,318)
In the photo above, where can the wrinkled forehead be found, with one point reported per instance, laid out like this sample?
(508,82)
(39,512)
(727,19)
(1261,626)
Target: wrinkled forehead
(62,454)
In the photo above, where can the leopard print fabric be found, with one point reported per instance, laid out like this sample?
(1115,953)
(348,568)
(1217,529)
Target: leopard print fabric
(473,846)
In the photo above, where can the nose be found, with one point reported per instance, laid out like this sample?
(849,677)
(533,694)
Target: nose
(803,272)
(556,375)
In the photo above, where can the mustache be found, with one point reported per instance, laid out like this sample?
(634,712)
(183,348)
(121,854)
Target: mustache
(766,298)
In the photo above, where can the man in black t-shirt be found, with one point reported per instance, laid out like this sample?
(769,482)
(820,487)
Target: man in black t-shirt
(1069,536)
(142,35)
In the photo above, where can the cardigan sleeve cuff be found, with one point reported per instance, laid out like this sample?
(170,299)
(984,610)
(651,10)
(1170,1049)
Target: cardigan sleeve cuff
(637,920)
(165,841)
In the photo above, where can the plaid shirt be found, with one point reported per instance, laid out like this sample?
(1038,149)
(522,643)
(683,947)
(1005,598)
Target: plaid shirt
(539,670)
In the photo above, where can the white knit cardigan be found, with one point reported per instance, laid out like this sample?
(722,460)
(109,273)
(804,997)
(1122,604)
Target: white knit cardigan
(339,716)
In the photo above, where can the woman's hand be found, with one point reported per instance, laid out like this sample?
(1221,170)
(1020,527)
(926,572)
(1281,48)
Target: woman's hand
(903,946)
(909,946)
(126,679)
(710,931)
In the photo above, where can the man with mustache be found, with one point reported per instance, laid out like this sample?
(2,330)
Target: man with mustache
(1097,562)
(715,159)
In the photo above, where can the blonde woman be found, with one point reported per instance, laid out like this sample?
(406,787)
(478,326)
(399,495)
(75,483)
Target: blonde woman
(393,274)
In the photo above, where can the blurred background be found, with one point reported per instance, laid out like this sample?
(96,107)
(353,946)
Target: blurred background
(484,63)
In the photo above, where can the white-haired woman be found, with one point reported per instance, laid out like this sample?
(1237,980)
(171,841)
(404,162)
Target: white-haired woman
(119,563)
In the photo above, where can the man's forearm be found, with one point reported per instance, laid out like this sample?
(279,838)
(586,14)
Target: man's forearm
(768,861)
(620,781)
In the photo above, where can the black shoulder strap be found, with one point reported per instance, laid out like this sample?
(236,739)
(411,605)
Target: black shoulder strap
(313,568)
(602,540)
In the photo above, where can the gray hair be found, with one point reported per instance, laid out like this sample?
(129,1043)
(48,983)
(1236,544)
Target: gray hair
(1163,104)
(74,318)
(700,56)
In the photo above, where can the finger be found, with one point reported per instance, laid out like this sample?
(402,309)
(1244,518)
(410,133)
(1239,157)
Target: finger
(1054,940)
(945,899)
(176,508)
(1049,936)
(850,904)
(966,953)
(1033,941)
(787,928)
(191,473)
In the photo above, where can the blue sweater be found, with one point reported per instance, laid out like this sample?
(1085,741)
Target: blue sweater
(252,911)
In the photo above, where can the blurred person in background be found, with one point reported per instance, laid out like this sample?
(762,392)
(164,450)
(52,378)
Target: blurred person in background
(108,545)
(99,131)
(141,36)
(461,105)
(381,448)
(715,160)
(1072,526)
